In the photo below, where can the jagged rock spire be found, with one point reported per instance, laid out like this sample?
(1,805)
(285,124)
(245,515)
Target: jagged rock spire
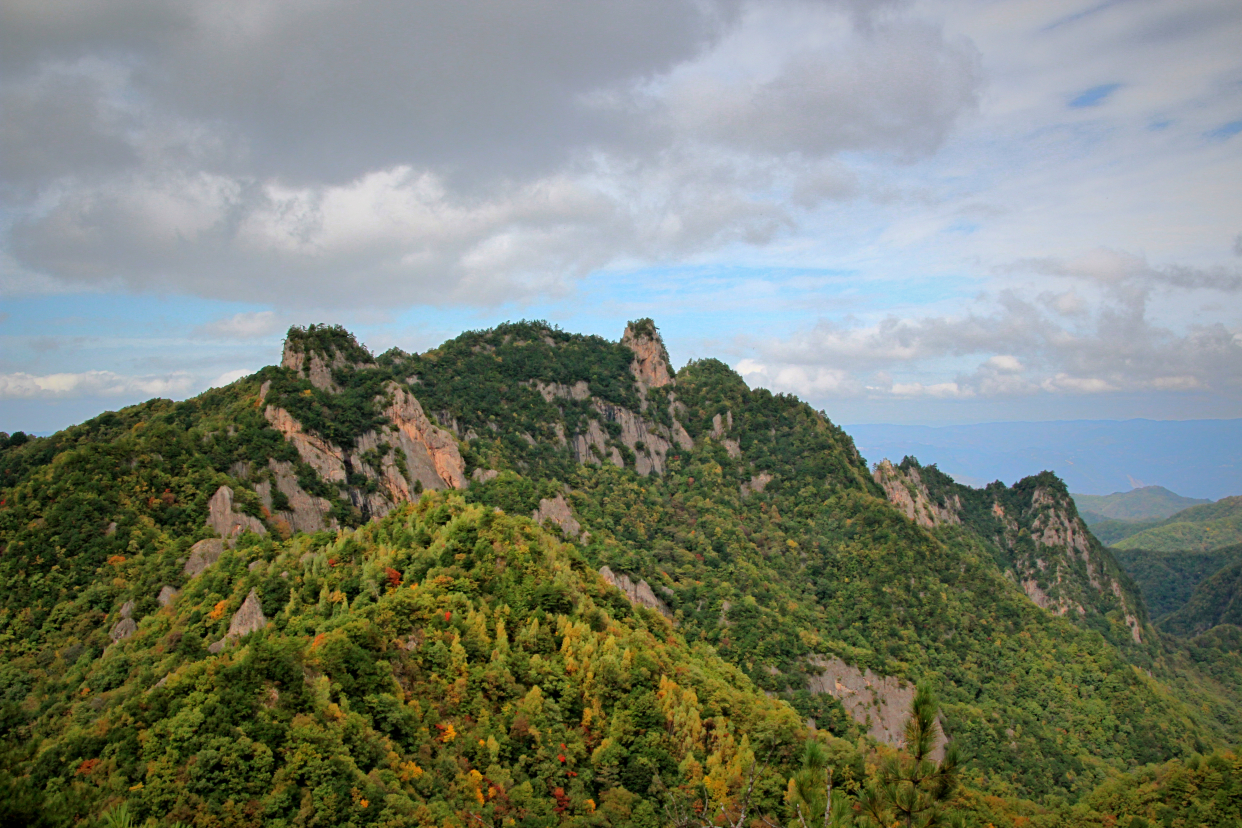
(651,365)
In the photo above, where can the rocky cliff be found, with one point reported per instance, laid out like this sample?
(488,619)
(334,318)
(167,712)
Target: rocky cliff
(1034,531)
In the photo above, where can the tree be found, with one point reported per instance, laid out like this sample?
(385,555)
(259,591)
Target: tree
(911,788)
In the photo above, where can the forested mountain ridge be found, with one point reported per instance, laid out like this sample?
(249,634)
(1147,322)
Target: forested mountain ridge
(746,519)
(1143,503)
(1206,527)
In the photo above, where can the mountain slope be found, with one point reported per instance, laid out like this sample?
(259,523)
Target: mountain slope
(1210,526)
(1144,503)
(746,519)
(1168,579)
(443,662)
(1213,602)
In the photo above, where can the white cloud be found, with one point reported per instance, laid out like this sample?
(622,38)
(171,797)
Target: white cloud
(243,325)
(229,377)
(93,383)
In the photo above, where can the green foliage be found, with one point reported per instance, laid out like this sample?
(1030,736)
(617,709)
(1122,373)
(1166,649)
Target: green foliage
(1141,504)
(328,341)
(1169,578)
(1213,602)
(451,663)
(1211,526)
(489,680)
(912,788)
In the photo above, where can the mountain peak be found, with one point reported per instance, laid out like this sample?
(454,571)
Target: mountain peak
(651,364)
(316,350)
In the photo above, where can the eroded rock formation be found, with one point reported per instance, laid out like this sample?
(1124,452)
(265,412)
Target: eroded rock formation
(906,490)
(248,618)
(306,513)
(651,364)
(202,555)
(638,593)
(557,510)
(879,703)
(227,522)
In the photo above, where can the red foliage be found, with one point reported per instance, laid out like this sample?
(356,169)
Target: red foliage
(87,766)
(562,801)
(448,616)
(394,577)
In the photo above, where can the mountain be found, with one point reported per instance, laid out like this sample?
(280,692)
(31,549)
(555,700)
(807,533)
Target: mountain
(1167,579)
(1211,526)
(1110,531)
(1093,456)
(1145,503)
(1214,601)
(535,576)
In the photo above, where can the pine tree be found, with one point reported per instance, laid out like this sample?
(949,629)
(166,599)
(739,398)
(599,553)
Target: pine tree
(912,789)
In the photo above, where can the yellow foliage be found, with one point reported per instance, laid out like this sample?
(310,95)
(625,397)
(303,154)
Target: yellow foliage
(449,734)
(217,612)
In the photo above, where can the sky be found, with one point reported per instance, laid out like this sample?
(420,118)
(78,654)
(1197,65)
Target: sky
(926,212)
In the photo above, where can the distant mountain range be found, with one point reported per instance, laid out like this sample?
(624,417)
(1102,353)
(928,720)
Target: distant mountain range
(1145,503)
(1198,458)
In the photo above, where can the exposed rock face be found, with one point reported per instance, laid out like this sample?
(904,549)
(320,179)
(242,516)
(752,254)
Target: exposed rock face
(879,703)
(306,513)
(1064,553)
(167,595)
(639,593)
(650,366)
(484,475)
(202,555)
(757,483)
(315,366)
(123,629)
(557,510)
(228,523)
(248,618)
(650,442)
(428,456)
(720,427)
(431,452)
(327,460)
(907,491)
(554,390)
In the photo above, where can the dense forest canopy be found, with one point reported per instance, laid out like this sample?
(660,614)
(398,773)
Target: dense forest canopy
(536,578)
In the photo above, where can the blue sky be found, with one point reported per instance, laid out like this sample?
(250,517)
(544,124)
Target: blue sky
(920,212)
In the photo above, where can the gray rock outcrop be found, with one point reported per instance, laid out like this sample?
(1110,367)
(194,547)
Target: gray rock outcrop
(879,703)
(228,523)
(126,626)
(557,510)
(638,593)
(306,513)
(202,555)
(907,491)
(248,618)
(757,483)
(167,595)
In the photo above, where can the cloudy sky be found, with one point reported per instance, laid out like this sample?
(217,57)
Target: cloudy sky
(934,211)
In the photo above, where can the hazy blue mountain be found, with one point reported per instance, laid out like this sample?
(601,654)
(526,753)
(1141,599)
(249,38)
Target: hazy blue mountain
(1144,503)
(1196,458)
